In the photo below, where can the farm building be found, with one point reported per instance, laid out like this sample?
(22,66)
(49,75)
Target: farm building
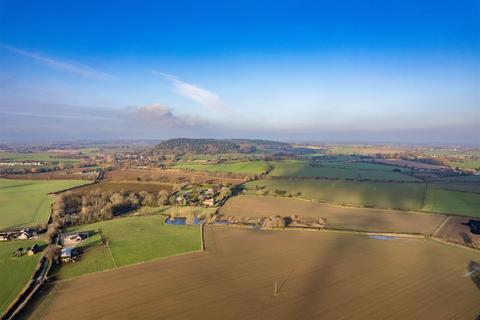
(209,202)
(34,249)
(69,254)
(4,236)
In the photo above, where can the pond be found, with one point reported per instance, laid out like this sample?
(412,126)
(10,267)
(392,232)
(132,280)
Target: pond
(180,221)
(382,237)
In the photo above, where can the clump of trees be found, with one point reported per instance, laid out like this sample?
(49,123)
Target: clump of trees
(74,208)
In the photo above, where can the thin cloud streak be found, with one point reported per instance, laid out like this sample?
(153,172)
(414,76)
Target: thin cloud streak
(71,67)
(200,95)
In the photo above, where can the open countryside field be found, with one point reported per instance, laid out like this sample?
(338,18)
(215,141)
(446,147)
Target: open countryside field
(244,167)
(456,229)
(26,203)
(339,217)
(35,156)
(466,164)
(339,170)
(385,195)
(320,275)
(130,240)
(131,186)
(462,187)
(453,202)
(409,164)
(15,272)
(173,176)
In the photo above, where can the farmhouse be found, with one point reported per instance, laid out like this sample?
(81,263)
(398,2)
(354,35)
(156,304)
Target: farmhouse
(26,234)
(72,238)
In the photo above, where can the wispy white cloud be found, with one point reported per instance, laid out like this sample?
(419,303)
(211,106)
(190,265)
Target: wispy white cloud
(71,67)
(200,95)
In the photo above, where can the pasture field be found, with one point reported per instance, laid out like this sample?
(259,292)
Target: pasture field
(130,240)
(15,272)
(385,195)
(453,202)
(466,164)
(339,170)
(131,186)
(363,150)
(244,167)
(339,217)
(459,179)
(463,187)
(26,203)
(35,156)
(408,163)
(320,275)
(171,176)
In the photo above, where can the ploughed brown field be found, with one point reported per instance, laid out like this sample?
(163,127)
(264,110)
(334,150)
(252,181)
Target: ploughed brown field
(456,229)
(320,275)
(340,217)
(170,175)
(131,186)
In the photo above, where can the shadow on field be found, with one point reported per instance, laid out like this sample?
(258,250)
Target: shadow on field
(41,296)
(474,226)
(474,273)
(316,291)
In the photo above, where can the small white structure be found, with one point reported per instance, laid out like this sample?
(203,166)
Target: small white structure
(209,202)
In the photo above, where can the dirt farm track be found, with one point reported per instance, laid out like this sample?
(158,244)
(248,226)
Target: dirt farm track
(320,275)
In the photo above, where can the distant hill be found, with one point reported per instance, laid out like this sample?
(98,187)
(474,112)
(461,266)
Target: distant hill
(211,146)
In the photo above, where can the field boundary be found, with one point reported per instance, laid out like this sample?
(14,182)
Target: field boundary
(202,238)
(130,265)
(441,225)
(334,230)
(458,245)
(72,188)
(418,181)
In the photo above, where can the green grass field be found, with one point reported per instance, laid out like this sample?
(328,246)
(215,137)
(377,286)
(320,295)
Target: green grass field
(36,156)
(247,167)
(26,203)
(466,164)
(453,202)
(462,187)
(460,179)
(339,170)
(14,272)
(404,196)
(131,240)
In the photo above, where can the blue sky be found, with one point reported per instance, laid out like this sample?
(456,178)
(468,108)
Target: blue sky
(360,71)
